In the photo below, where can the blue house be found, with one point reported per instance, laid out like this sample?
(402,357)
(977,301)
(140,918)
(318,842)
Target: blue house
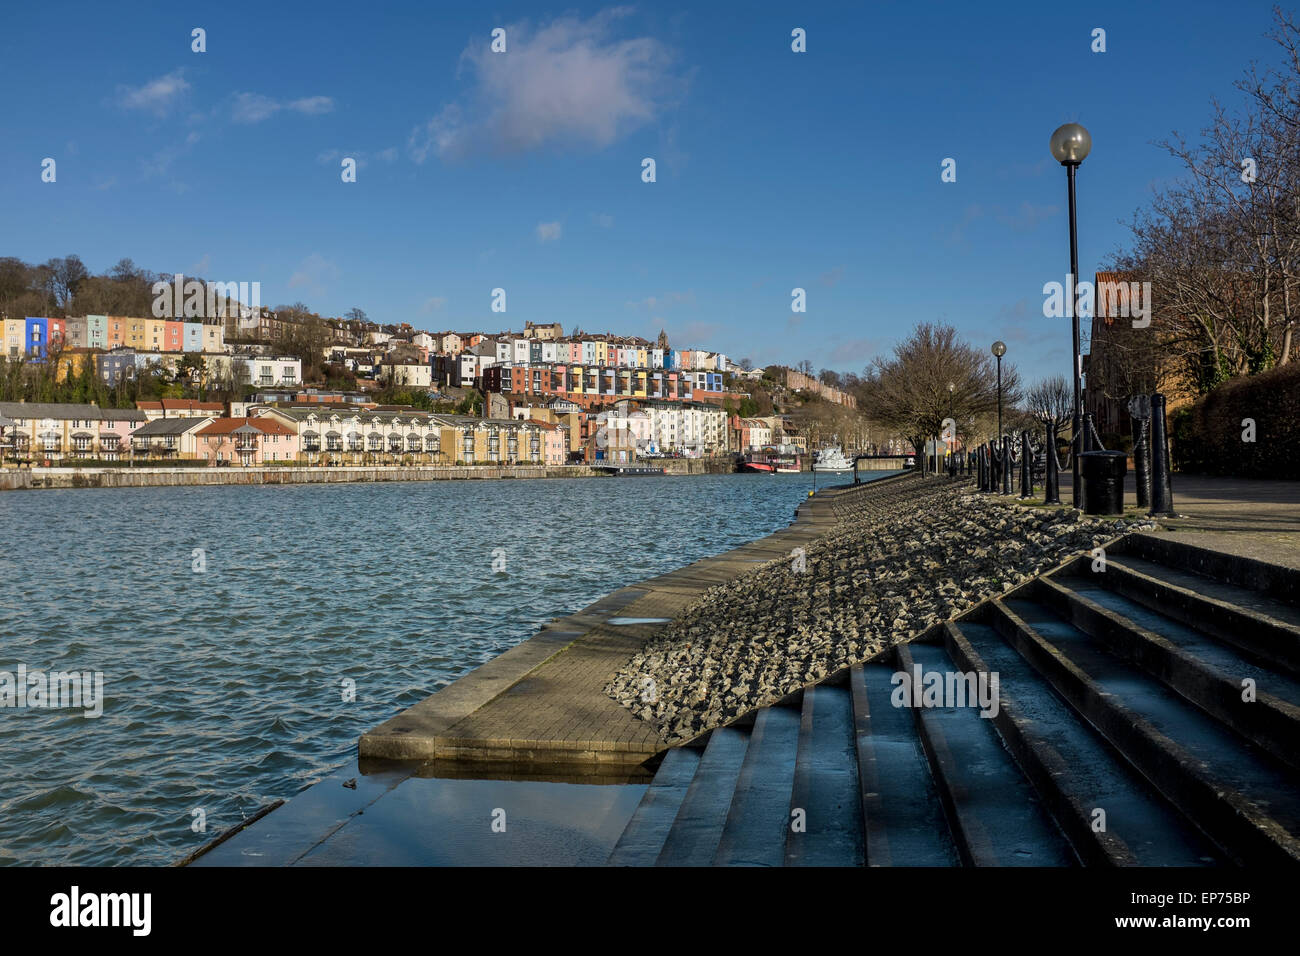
(38,338)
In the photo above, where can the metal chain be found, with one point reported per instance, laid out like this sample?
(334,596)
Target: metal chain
(1095,437)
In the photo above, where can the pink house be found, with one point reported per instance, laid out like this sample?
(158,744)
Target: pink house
(555,442)
(247,441)
(173,336)
(115,428)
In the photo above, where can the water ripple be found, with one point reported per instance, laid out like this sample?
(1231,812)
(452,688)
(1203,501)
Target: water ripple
(323,611)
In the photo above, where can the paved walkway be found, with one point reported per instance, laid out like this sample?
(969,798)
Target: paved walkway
(1258,519)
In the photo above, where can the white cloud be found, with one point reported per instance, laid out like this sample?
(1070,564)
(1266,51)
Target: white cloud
(604,220)
(254,107)
(567,84)
(434,304)
(157,96)
(548,231)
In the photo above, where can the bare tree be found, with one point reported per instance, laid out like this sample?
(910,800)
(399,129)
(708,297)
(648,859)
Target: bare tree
(1051,401)
(908,393)
(1221,246)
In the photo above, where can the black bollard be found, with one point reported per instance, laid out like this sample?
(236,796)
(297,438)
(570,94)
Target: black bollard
(1007,464)
(1052,481)
(1087,433)
(1162,489)
(1026,467)
(1142,461)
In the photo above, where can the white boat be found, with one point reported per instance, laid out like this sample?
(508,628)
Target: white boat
(831,458)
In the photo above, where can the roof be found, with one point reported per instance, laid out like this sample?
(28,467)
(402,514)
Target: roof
(228,426)
(66,411)
(182,404)
(169,426)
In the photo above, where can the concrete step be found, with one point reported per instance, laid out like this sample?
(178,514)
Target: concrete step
(697,828)
(993,811)
(1209,673)
(645,833)
(754,833)
(1258,622)
(1075,771)
(825,803)
(1243,799)
(903,817)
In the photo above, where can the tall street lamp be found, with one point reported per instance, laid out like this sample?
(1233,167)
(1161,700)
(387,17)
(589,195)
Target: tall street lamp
(999,350)
(1070,145)
(952,443)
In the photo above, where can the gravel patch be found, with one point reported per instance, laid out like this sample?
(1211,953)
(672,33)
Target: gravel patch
(903,555)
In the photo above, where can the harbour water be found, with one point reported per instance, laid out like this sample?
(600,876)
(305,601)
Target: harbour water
(248,635)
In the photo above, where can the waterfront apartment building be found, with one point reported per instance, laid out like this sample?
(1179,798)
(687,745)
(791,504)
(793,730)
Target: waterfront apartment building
(57,430)
(245,442)
(555,441)
(168,439)
(360,436)
(693,429)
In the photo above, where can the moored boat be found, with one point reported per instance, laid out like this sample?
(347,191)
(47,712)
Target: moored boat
(831,458)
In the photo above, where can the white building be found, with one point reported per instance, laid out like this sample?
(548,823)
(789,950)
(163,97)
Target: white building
(260,371)
(416,375)
(688,428)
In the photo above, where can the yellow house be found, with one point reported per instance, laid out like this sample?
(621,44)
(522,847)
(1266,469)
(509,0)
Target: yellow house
(15,334)
(602,352)
(136,333)
(154,333)
(73,361)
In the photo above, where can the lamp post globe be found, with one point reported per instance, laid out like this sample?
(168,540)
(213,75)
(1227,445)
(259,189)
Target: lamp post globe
(1071,144)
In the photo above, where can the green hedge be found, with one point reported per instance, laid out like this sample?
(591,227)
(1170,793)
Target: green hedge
(1208,436)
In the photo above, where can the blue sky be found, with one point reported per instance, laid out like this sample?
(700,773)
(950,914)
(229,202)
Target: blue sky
(522,170)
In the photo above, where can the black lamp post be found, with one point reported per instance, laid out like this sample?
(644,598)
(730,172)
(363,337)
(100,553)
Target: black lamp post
(999,350)
(1070,145)
(952,458)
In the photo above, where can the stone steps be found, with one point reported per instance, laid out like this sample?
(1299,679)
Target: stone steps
(1119,736)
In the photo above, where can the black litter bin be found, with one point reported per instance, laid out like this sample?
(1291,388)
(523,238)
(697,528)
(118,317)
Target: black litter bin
(1103,481)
